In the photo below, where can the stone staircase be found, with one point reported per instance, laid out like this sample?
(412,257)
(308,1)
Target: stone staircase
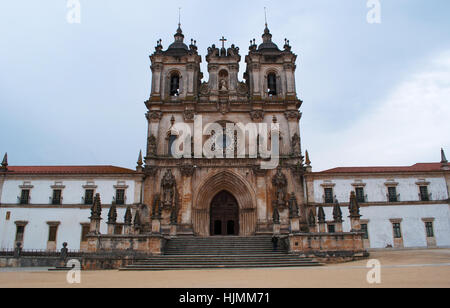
(220,252)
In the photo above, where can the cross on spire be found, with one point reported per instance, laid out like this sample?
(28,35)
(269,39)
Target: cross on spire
(179,17)
(223,40)
(265,15)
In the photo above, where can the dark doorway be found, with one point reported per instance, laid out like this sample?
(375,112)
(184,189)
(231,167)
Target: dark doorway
(224,214)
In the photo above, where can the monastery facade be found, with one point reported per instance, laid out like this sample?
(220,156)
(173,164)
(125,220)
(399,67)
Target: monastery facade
(213,183)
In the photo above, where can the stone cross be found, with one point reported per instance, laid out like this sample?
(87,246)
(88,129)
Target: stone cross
(223,40)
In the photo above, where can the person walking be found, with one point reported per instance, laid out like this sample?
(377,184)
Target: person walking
(275,242)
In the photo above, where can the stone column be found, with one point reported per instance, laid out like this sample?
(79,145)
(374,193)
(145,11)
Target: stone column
(187,173)
(261,197)
(156,225)
(295,224)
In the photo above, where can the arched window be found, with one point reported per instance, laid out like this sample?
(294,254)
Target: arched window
(272,84)
(172,139)
(175,84)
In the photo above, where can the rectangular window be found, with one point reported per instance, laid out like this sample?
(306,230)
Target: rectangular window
(118,229)
(430,229)
(424,196)
(56,199)
(52,233)
(89,196)
(84,232)
(397,230)
(331,229)
(365,230)
(25,196)
(120,196)
(392,193)
(20,230)
(329,195)
(360,194)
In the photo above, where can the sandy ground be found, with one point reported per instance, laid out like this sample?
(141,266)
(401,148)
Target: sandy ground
(408,268)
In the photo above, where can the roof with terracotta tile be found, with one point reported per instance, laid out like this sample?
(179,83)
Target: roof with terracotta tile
(420,167)
(68,170)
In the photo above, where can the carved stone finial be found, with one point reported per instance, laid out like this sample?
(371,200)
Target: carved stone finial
(156,208)
(307,160)
(443,158)
(4,166)
(172,120)
(311,219)
(112,214)
(96,209)
(140,162)
(128,217)
(354,206)
(321,216)
(337,213)
(137,220)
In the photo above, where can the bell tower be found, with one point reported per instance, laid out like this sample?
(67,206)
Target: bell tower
(176,71)
(270,71)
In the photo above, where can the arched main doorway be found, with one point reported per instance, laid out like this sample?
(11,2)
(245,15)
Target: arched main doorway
(224,215)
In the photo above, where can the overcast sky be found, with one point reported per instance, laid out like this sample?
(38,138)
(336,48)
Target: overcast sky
(374,94)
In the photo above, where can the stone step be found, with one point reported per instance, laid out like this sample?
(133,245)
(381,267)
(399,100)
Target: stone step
(217,266)
(220,252)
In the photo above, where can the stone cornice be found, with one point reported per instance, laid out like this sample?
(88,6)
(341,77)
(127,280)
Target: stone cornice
(64,206)
(366,175)
(34,176)
(385,203)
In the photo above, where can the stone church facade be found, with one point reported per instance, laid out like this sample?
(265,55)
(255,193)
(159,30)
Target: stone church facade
(221,185)
(189,185)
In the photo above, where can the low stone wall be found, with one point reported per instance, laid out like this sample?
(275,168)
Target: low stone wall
(151,244)
(328,247)
(88,261)
(30,262)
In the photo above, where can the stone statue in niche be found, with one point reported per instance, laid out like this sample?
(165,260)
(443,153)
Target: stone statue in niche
(279,182)
(223,85)
(296,150)
(168,187)
(293,207)
(175,210)
(152,146)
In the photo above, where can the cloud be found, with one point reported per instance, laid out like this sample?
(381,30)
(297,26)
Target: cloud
(409,126)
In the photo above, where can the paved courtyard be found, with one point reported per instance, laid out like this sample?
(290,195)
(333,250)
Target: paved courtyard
(406,268)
